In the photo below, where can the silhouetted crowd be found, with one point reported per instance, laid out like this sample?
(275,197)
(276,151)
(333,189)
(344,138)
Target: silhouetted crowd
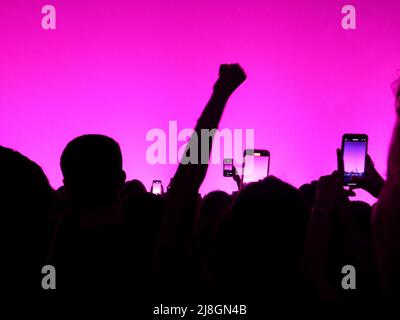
(269,242)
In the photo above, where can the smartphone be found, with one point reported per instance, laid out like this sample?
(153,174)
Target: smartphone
(228,167)
(255,165)
(354,150)
(157,187)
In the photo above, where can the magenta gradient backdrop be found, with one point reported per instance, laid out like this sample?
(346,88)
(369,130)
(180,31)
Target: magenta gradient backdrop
(121,68)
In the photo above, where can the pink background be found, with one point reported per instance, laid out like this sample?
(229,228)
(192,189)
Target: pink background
(121,68)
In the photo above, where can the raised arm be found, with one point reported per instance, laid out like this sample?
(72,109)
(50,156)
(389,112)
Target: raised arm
(179,212)
(386,216)
(329,198)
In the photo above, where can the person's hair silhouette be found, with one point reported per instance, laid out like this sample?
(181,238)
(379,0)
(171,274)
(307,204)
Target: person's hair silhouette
(27,212)
(92,170)
(133,187)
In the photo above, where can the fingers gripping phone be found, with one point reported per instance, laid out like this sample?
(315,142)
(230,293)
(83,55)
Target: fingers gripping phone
(157,187)
(229,170)
(354,151)
(256,164)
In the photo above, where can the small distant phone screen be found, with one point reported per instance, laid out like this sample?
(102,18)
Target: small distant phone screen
(228,168)
(354,154)
(157,188)
(256,165)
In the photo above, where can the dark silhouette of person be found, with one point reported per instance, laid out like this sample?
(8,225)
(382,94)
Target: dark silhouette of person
(133,187)
(214,209)
(386,215)
(27,221)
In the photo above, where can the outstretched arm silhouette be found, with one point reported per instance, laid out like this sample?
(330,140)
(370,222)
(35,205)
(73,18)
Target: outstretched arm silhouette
(329,197)
(177,221)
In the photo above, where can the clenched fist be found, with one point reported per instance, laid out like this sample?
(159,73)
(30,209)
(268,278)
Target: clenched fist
(231,76)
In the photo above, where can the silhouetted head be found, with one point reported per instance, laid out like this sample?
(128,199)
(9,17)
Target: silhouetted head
(270,213)
(397,93)
(92,170)
(133,187)
(308,192)
(356,217)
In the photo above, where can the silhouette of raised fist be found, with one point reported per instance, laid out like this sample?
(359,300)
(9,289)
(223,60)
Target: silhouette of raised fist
(231,76)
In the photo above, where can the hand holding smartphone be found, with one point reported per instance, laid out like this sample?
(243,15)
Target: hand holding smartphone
(229,170)
(256,164)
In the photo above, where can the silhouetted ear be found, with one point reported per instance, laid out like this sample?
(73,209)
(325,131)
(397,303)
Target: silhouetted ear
(340,163)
